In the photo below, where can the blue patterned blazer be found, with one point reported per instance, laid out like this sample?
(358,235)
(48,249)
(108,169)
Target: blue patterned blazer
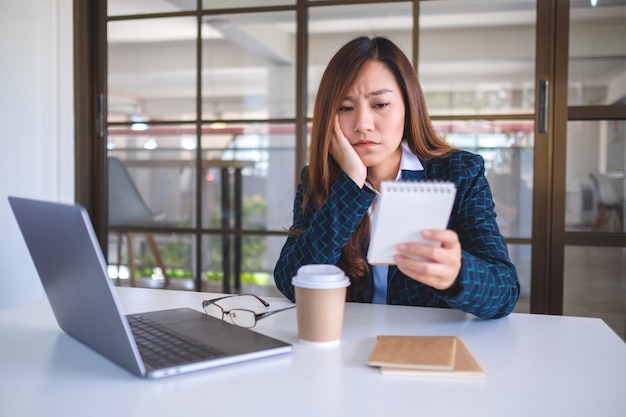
(487,285)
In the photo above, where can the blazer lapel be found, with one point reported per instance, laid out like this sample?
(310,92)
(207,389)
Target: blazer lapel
(413,175)
(390,273)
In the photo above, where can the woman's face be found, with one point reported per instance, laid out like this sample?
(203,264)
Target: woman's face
(371,115)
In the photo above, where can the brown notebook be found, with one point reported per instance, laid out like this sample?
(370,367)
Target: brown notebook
(446,356)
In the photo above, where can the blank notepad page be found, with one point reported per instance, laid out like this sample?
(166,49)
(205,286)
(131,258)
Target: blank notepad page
(405,209)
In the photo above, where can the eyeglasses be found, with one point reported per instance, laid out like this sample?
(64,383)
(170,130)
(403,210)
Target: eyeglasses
(238,316)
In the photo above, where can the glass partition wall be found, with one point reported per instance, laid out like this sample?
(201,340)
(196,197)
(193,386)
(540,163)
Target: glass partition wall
(208,106)
(595,163)
(202,111)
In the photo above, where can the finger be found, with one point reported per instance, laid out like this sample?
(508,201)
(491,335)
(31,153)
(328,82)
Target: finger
(435,275)
(337,128)
(436,266)
(425,251)
(346,157)
(338,141)
(448,238)
(439,275)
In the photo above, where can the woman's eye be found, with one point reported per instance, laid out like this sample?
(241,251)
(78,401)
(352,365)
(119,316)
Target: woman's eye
(345,108)
(380,105)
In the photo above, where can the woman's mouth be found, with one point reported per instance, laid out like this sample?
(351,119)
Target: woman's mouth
(364,142)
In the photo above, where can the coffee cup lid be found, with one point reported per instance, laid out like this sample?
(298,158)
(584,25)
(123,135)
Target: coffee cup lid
(320,276)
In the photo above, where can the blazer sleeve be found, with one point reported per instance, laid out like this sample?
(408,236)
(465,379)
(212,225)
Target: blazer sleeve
(487,286)
(325,230)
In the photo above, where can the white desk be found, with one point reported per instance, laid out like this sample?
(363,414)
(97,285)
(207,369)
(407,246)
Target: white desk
(536,366)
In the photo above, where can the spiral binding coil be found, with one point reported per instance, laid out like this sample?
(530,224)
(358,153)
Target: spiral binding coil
(418,186)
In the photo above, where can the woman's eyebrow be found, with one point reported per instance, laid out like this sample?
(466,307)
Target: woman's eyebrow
(378,92)
(372,94)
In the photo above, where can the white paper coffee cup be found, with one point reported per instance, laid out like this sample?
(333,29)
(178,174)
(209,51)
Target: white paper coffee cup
(320,299)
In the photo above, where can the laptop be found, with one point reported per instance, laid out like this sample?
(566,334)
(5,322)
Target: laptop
(73,271)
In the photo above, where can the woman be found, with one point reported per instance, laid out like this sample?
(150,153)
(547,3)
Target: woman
(370,124)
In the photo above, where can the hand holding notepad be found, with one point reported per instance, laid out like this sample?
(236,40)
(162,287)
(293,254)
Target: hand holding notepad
(404,210)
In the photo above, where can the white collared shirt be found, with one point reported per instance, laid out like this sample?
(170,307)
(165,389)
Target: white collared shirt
(409,162)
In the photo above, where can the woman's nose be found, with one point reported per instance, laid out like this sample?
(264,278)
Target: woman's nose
(364,121)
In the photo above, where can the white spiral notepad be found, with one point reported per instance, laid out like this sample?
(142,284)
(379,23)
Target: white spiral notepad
(405,209)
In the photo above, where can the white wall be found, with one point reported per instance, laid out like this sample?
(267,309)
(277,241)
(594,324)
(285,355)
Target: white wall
(36,126)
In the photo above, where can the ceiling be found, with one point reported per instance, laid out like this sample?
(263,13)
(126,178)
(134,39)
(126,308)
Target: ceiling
(463,44)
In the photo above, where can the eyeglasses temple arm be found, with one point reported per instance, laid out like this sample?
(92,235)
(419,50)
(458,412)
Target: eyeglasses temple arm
(260,316)
(213,300)
(265,303)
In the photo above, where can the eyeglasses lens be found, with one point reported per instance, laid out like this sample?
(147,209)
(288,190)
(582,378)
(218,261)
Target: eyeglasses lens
(214,310)
(243,318)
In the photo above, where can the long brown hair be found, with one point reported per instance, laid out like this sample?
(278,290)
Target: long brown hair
(419,133)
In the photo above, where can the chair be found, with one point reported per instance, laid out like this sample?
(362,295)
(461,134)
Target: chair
(609,215)
(127,208)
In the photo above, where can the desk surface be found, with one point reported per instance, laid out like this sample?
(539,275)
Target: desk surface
(536,366)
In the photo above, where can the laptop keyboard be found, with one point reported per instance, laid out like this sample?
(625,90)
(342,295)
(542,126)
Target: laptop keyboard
(161,347)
